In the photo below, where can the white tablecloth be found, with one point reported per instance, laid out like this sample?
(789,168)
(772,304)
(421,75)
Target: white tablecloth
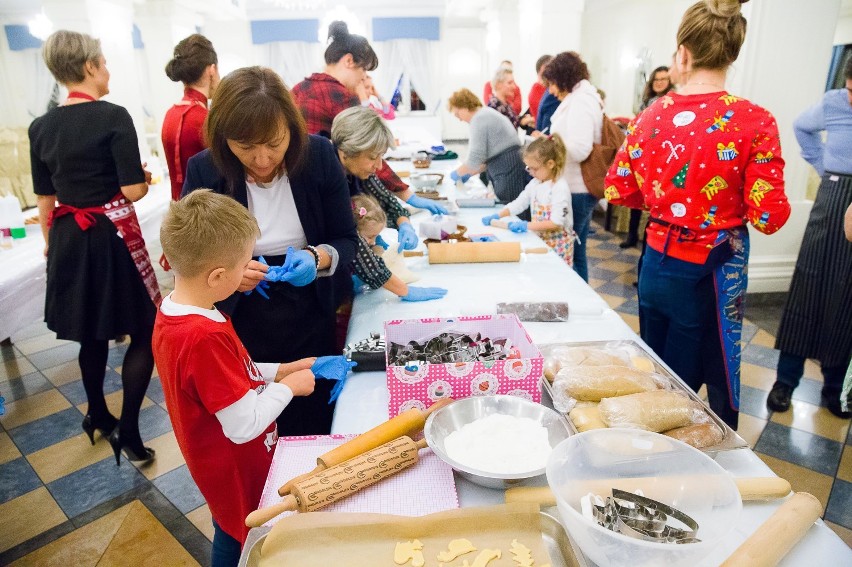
(22,268)
(476,289)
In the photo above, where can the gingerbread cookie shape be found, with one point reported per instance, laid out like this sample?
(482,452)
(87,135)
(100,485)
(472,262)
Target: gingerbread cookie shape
(406,551)
(485,557)
(456,548)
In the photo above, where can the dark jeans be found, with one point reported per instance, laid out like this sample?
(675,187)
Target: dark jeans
(678,318)
(226,550)
(791,367)
(583,204)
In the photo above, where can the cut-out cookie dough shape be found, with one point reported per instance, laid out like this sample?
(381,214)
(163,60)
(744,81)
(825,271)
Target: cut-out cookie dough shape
(484,558)
(406,551)
(456,548)
(521,554)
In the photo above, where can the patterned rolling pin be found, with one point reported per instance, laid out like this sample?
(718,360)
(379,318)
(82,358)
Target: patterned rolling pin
(338,482)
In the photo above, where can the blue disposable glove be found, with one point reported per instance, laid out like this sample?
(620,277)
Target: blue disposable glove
(454,175)
(424,293)
(428,204)
(263,285)
(407,237)
(381,242)
(333,368)
(518,226)
(357,284)
(486,220)
(300,267)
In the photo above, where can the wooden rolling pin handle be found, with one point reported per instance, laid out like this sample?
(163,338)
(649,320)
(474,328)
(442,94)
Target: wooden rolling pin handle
(538,250)
(260,517)
(412,253)
(777,536)
(500,224)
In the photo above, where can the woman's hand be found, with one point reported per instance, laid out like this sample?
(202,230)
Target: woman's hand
(253,275)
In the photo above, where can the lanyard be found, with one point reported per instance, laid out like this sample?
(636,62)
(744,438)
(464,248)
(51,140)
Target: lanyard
(78,94)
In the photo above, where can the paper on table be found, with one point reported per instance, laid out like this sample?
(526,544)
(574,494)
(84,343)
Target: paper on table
(321,539)
(424,488)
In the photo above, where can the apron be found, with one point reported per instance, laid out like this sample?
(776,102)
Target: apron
(121,212)
(507,174)
(558,240)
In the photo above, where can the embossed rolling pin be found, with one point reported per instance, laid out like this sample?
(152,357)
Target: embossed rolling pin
(342,480)
(777,535)
(751,489)
(409,422)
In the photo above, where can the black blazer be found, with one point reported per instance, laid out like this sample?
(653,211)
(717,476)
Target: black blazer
(322,201)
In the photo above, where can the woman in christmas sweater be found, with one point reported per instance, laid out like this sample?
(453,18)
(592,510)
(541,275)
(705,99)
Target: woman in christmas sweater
(703,162)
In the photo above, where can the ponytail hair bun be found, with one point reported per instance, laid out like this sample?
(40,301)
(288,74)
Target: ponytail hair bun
(714,32)
(341,43)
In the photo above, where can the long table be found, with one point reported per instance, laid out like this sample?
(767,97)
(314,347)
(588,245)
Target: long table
(476,289)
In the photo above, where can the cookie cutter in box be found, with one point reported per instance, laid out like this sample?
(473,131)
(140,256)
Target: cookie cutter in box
(560,547)
(731,441)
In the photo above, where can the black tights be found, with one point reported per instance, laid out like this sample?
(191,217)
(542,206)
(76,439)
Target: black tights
(135,376)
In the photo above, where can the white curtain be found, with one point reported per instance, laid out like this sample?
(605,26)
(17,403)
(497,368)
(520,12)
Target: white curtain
(415,58)
(293,60)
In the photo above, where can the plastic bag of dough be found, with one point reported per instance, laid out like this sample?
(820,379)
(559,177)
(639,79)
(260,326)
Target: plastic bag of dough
(593,383)
(699,435)
(565,356)
(586,417)
(653,411)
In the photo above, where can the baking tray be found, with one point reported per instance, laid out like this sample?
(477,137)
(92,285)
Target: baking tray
(562,550)
(732,439)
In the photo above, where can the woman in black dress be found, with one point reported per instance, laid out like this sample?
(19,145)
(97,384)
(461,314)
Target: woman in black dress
(100,283)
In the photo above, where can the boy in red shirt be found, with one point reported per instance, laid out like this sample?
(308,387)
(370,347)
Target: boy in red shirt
(222,404)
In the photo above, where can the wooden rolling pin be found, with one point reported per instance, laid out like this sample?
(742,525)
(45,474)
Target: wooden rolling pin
(768,488)
(777,535)
(342,480)
(474,252)
(420,253)
(409,422)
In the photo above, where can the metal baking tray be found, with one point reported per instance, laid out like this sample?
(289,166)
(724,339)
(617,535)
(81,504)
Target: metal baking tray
(732,439)
(562,550)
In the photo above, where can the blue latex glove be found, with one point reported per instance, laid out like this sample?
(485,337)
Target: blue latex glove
(381,242)
(454,175)
(263,285)
(428,204)
(518,226)
(358,284)
(300,268)
(333,368)
(424,293)
(407,237)
(486,220)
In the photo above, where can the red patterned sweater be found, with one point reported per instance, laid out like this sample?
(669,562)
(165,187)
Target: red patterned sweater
(701,164)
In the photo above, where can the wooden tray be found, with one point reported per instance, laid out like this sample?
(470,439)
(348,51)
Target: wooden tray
(731,441)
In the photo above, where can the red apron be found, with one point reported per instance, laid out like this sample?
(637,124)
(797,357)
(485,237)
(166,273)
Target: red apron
(122,213)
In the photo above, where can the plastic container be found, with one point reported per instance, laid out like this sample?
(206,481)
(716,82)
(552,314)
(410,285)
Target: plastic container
(665,469)
(12,217)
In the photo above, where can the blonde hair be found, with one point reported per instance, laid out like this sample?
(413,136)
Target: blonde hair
(463,99)
(501,76)
(546,148)
(367,212)
(66,53)
(358,129)
(205,230)
(714,32)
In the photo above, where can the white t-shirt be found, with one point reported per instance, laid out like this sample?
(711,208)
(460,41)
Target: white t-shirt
(553,193)
(273,206)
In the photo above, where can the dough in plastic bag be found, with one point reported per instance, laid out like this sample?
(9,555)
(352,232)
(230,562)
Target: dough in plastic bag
(653,411)
(593,383)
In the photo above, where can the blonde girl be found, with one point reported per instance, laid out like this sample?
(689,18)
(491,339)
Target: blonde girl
(369,267)
(546,196)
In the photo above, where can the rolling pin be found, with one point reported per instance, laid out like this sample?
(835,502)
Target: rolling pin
(409,422)
(336,483)
(777,535)
(420,253)
(768,488)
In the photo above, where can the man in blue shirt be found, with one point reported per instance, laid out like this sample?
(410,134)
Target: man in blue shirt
(817,319)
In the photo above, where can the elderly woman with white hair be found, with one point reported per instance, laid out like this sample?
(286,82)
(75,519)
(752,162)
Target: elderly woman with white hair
(502,88)
(361,138)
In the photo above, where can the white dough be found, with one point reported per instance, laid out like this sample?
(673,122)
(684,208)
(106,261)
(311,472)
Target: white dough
(501,444)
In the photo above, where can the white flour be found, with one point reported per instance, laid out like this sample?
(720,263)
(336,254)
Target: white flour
(501,444)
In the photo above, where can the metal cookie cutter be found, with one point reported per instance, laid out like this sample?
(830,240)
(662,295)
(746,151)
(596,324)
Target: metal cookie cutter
(644,518)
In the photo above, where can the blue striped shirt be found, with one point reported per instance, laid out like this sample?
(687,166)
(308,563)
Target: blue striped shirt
(833,114)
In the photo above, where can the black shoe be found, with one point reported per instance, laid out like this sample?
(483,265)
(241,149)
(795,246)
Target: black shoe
(104,425)
(629,243)
(139,453)
(832,403)
(779,397)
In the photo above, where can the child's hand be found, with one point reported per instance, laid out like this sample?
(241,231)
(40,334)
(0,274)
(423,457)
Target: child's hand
(518,226)
(486,220)
(253,275)
(286,368)
(300,382)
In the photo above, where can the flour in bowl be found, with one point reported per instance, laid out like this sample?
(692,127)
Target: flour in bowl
(501,444)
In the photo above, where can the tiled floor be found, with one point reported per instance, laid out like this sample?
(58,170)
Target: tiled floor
(64,502)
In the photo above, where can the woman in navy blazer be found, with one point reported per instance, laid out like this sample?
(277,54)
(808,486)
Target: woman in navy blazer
(293,184)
